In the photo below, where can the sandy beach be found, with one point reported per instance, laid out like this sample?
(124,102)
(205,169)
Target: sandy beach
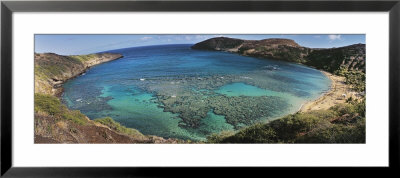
(338,93)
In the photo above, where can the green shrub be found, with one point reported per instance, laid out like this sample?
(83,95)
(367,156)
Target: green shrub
(353,107)
(354,78)
(258,133)
(219,137)
(52,106)
(289,127)
(337,133)
(342,109)
(108,121)
(360,107)
(47,104)
(75,116)
(83,58)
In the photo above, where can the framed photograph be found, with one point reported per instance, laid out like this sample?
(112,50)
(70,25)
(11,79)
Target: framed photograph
(103,88)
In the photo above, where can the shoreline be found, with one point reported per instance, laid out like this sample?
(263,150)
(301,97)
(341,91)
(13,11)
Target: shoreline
(60,89)
(338,93)
(327,99)
(53,85)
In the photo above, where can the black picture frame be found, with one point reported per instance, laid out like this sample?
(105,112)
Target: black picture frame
(8,7)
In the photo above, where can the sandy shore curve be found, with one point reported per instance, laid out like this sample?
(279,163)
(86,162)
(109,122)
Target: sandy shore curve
(338,93)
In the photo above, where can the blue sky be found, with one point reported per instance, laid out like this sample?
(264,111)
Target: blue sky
(86,44)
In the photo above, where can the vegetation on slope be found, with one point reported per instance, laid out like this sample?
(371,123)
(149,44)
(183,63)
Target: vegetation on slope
(83,58)
(331,60)
(51,106)
(354,78)
(344,123)
(108,121)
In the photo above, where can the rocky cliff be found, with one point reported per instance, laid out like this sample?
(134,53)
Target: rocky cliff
(348,57)
(51,70)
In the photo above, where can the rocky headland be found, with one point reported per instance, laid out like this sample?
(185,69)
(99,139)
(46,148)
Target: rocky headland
(52,70)
(330,59)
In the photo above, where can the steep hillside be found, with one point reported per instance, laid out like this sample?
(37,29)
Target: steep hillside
(348,57)
(51,69)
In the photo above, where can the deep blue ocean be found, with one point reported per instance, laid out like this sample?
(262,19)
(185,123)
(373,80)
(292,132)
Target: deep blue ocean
(158,89)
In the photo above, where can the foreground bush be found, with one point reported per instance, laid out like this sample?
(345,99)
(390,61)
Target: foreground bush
(118,127)
(344,123)
(51,105)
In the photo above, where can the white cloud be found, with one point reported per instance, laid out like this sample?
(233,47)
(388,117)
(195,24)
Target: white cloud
(334,37)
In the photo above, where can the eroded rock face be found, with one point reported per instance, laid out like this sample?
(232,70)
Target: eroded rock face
(349,57)
(51,70)
(48,129)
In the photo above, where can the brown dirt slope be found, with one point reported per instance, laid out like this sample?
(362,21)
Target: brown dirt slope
(49,129)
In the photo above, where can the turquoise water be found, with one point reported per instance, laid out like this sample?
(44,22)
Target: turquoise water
(242,89)
(237,89)
(176,92)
